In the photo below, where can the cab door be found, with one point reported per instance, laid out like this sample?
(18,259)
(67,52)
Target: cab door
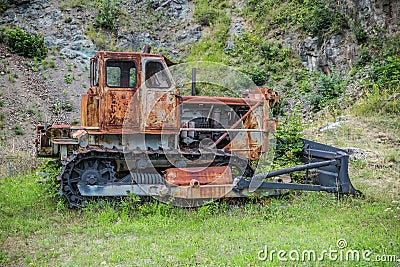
(160,100)
(121,85)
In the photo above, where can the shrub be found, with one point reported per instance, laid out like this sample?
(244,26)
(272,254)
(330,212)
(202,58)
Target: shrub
(288,141)
(360,34)
(205,15)
(258,75)
(211,12)
(25,44)
(387,73)
(322,18)
(328,89)
(107,15)
(384,87)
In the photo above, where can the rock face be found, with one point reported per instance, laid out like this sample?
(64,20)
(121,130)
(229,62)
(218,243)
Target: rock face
(170,26)
(374,15)
(338,51)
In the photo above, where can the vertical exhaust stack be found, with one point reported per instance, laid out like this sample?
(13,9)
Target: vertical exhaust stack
(193,81)
(147,49)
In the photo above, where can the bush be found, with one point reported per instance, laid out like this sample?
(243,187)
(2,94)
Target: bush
(25,44)
(210,12)
(289,143)
(328,89)
(322,18)
(258,75)
(205,15)
(364,58)
(387,73)
(360,34)
(107,15)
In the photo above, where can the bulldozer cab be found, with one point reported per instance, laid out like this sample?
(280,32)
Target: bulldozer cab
(119,80)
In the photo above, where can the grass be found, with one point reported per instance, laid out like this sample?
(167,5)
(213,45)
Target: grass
(37,229)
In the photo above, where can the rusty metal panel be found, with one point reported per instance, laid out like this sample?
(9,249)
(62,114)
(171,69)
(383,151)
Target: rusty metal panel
(161,112)
(197,176)
(84,111)
(92,115)
(116,105)
(201,192)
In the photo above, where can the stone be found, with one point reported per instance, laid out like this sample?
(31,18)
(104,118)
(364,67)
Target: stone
(10,16)
(356,154)
(330,126)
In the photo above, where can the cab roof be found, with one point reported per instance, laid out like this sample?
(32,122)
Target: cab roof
(128,55)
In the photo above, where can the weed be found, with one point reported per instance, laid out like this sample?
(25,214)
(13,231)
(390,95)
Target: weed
(323,18)
(72,4)
(207,209)
(364,58)
(204,14)
(384,85)
(68,20)
(97,36)
(359,32)
(44,64)
(18,130)
(57,108)
(51,63)
(258,75)
(67,106)
(68,79)
(11,78)
(76,122)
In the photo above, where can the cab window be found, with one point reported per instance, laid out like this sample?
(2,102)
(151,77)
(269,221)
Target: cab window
(94,77)
(156,75)
(121,73)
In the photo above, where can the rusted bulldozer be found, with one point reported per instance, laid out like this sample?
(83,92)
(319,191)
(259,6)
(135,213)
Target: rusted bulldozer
(140,135)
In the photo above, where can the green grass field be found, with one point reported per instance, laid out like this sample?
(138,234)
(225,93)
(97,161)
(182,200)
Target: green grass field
(37,228)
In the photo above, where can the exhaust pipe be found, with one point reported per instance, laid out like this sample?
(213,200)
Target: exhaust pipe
(193,81)
(147,49)
(194,183)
